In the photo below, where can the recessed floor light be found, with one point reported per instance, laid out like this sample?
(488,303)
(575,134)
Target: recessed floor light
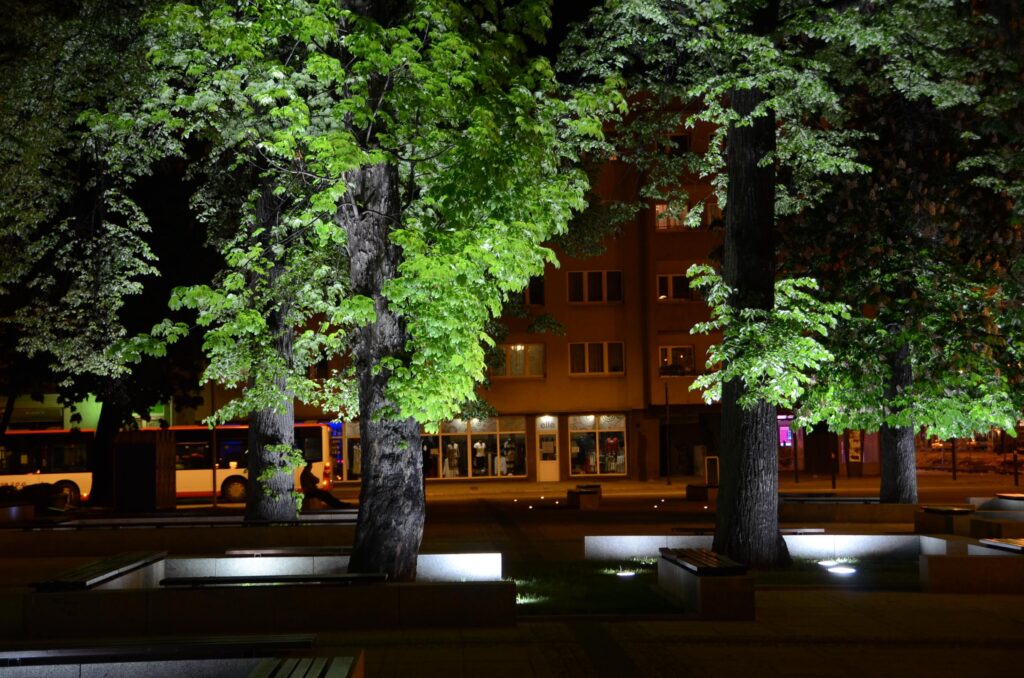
(841,569)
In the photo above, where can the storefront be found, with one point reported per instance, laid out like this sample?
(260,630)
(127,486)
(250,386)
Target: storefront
(515,447)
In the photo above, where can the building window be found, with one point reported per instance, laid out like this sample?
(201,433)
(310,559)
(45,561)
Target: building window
(676,360)
(675,287)
(597,357)
(521,360)
(664,222)
(534,292)
(595,287)
(480,448)
(597,444)
(679,144)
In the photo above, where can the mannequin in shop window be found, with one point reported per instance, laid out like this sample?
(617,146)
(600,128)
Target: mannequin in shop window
(451,460)
(505,460)
(480,458)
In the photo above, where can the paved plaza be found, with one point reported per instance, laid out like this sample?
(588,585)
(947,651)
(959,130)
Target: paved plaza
(798,630)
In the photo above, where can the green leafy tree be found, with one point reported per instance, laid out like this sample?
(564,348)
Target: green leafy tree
(772,77)
(938,247)
(75,249)
(400,164)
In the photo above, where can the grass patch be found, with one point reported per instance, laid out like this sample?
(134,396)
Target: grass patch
(629,587)
(588,587)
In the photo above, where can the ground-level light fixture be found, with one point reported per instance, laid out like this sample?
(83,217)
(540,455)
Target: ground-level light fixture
(842,569)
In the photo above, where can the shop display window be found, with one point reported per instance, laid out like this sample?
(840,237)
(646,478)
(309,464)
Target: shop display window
(597,444)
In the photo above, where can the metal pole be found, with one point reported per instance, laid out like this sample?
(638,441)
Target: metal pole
(835,464)
(668,439)
(796,455)
(954,458)
(213,444)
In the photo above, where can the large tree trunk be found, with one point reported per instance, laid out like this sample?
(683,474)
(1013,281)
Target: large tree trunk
(113,415)
(271,488)
(747,520)
(898,455)
(389,527)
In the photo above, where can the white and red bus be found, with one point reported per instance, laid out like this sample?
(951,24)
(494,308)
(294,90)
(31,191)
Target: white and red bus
(59,457)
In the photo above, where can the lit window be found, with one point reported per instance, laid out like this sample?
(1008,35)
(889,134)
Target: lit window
(597,357)
(676,360)
(676,287)
(597,444)
(521,360)
(664,222)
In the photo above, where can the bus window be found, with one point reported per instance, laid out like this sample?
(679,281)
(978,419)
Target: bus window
(190,456)
(68,458)
(232,449)
(308,441)
(7,460)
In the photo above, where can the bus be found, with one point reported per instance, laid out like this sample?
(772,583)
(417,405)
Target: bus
(59,457)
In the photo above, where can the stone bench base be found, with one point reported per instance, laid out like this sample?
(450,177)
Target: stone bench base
(583,500)
(715,598)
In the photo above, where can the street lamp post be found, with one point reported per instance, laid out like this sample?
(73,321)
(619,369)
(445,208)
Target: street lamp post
(668,371)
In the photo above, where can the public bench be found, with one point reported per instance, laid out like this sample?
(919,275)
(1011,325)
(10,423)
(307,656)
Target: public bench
(712,585)
(272,579)
(311,667)
(100,571)
(943,520)
(584,497)
(1006,544)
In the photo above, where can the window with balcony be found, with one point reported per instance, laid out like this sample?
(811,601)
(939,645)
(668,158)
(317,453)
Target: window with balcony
(676,361)
(597,357)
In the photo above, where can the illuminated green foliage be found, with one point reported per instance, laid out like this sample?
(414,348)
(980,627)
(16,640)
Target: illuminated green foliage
(278,97)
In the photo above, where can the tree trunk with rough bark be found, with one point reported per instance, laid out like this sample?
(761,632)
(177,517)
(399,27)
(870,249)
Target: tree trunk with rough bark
(898,452)
(271,488)
(270,495)
(389,527)
(747,519)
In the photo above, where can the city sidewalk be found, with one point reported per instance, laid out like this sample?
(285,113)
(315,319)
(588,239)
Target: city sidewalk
(932,487)
(798,632)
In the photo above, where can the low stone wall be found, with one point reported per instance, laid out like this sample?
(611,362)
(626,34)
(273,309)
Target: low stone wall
(192,540)
(430,567)
(255,609)
(979,571)
(813,546)
(824,512)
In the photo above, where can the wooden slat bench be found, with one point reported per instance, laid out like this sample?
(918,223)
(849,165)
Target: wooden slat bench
(943,520)
(311,667)
(713,586)
(100,571)
(276,579)
(1007,544)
